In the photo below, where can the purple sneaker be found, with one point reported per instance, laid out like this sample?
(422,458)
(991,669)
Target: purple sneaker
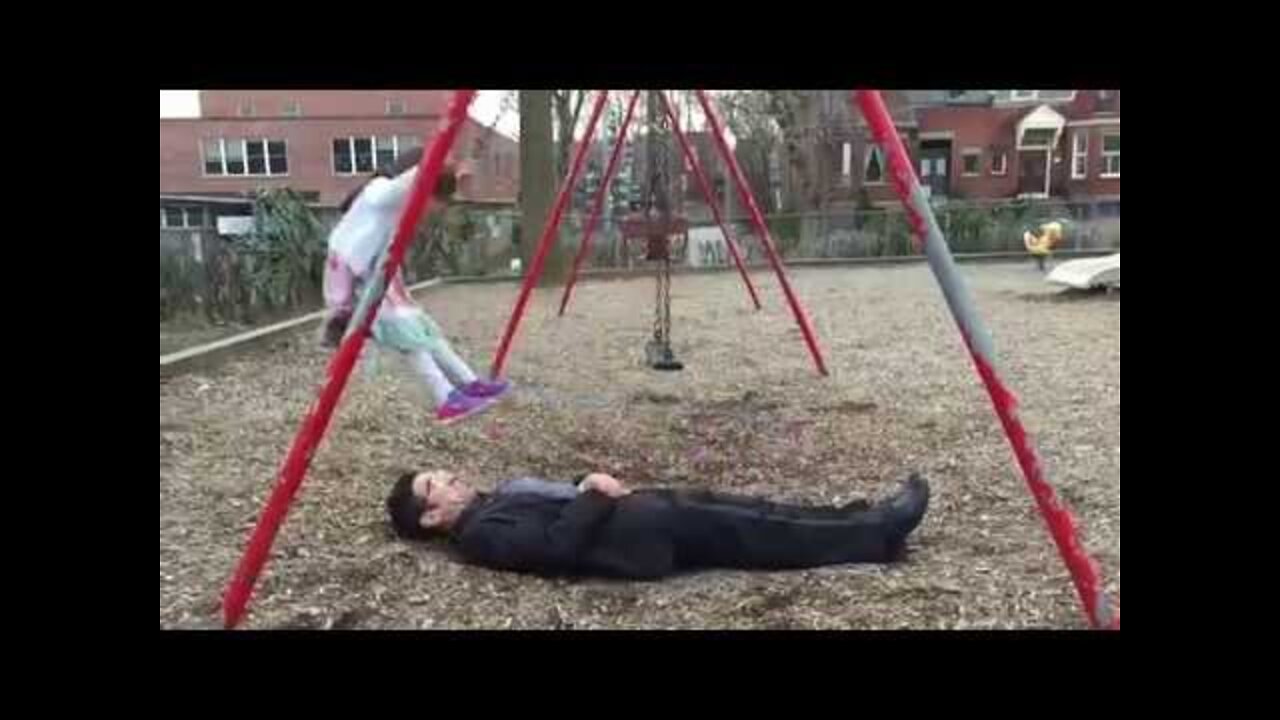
(486,388)
(461,406)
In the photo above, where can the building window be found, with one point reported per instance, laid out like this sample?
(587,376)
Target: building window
(384,151)
(212,150)
(233,156)
(357,155)
(405,143)
(291,109)
(1111,156)
(178,217)
(1043,96)
(1037,138)
(238,156)
(999,162)
(277,157)
(342,157)
(395,107)
(245,108)
(1080,155)
(873,171)
(256,152)
(477,149)
(173,217)
(362,149)
(971,162)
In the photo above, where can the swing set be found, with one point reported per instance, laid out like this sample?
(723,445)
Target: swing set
(656,226)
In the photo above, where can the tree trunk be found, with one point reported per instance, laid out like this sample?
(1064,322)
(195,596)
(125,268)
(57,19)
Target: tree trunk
(538,183)
(537,168)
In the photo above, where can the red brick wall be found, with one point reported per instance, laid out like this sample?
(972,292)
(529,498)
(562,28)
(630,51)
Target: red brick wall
(322,103)
(1088,104)
(310,153)
(978,127)
(1093,184)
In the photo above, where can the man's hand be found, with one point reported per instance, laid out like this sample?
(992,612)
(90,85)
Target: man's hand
(604,484)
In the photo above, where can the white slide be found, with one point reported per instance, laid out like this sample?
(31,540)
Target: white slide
(1088,273)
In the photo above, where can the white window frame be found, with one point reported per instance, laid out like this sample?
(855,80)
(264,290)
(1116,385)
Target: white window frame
(351,147)
(1107,155)
(874,149)
(185,212)
(204,159)
(244,158)
(164,218)
(1021,96)
(266,163)
(846,161)
(266,147)
(244,153)
(1048,145)
(966,152)
(1080,155)
(395,149)
(1003,155)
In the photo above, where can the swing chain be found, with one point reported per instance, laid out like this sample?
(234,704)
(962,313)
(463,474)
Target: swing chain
(661,174)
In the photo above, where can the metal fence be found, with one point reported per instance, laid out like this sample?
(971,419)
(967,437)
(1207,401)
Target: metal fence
(971,227)
(208,277)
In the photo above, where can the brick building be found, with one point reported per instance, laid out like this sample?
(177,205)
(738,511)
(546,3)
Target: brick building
(1023,143)
(968,144)
(322,143)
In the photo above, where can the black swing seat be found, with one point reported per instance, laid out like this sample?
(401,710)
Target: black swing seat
(661,358)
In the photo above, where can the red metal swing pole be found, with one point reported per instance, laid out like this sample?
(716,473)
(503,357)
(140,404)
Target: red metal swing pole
(598,204)
(548,237)
(744,192)
(313,426)
(701,177)
(1061,523)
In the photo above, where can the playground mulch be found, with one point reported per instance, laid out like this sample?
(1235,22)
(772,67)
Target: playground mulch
(748,415)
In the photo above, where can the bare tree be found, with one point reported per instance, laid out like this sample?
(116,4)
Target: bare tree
(568,106)
(786,121)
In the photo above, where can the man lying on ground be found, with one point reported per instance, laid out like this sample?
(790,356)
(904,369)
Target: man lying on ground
(598,527)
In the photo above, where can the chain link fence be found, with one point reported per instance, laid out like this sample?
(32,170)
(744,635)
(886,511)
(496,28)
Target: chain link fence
(212,276)
(970,227)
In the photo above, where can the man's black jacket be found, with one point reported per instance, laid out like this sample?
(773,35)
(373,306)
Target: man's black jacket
(652,533)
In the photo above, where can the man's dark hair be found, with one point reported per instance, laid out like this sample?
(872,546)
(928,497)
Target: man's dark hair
(406,510)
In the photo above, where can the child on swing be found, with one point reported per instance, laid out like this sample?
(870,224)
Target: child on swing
(371,215)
